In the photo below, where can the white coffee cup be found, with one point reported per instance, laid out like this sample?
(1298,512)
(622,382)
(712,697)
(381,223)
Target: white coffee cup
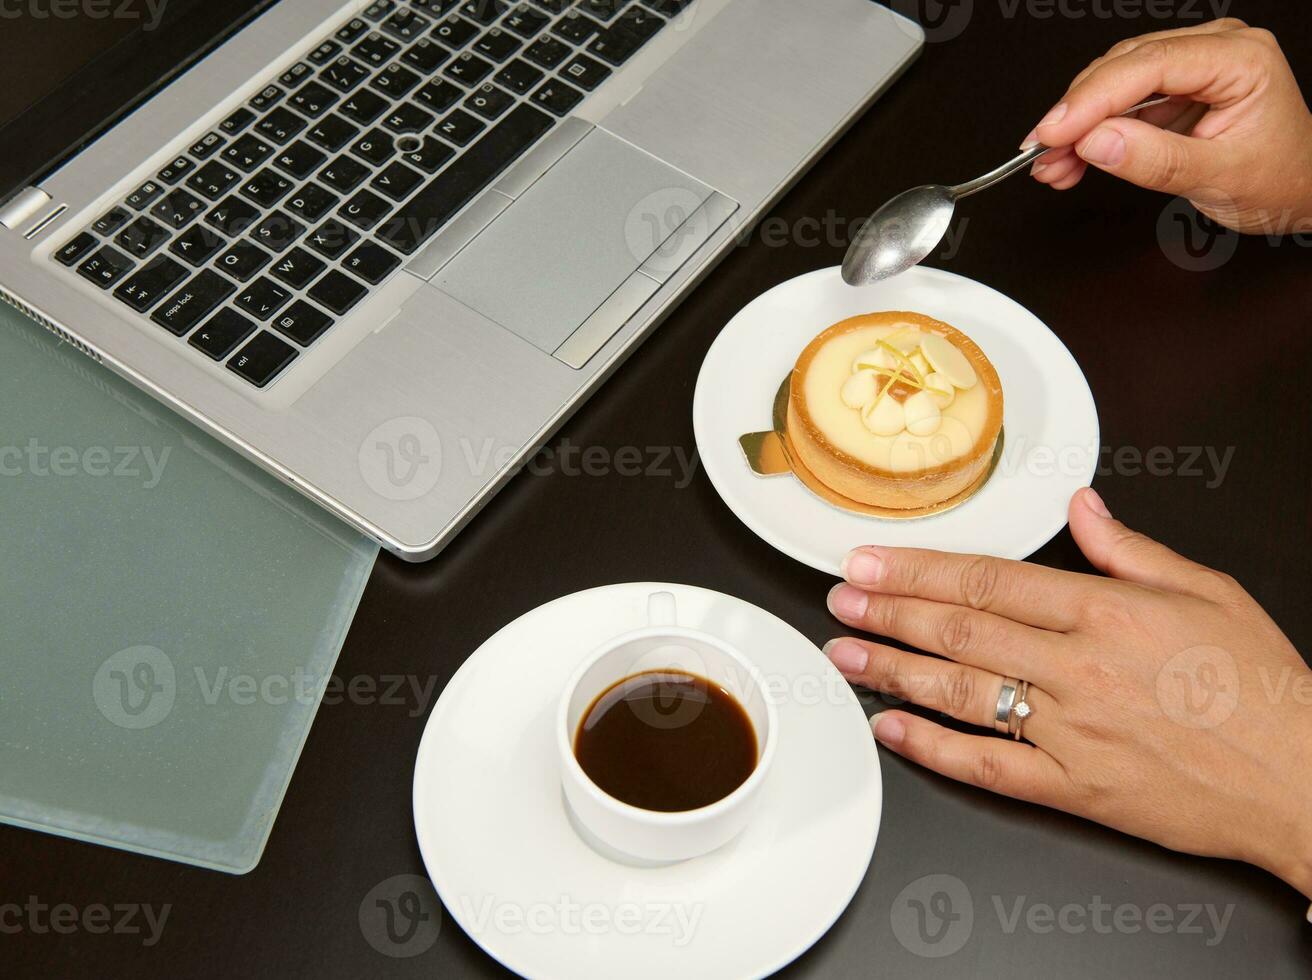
(649,836)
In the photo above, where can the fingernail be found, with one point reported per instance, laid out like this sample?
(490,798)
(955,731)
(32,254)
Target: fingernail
(888,729)
(1038,169)
(862,568)
(1055,115)
(848,656)
(1104,147)
(1030,141)
(1095,503)
(846,602)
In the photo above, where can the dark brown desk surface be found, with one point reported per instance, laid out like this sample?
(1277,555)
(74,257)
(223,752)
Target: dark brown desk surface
(1176,358)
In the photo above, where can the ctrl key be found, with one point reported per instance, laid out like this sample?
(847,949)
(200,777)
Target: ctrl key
(263,359)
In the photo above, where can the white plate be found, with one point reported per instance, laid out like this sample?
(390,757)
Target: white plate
(1050,422)
(513,873)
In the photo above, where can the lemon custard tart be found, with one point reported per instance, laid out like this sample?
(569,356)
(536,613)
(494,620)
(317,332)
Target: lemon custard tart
(895,410)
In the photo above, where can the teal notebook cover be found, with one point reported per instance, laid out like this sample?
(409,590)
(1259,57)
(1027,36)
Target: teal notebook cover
(169,616)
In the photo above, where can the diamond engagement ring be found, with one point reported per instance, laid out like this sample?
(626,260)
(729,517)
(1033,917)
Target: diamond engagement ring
(1020,710)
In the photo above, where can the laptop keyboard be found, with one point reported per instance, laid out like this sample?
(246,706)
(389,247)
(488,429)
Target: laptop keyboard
(258,237)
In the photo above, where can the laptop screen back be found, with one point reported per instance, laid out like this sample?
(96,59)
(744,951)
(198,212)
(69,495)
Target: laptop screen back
(71,68)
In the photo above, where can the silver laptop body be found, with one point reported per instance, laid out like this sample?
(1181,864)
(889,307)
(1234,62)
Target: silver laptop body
(523,238)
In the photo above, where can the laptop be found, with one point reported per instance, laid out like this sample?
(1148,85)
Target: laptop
(384,249)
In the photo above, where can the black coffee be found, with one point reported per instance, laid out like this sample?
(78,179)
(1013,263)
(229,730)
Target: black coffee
(666,741)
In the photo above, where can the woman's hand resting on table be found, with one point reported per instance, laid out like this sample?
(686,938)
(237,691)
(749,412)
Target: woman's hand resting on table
(1241,149)
(1166,703)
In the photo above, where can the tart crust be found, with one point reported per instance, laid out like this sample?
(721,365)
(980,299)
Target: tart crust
(865,482)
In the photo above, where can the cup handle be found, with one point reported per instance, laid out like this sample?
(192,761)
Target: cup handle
(661,610)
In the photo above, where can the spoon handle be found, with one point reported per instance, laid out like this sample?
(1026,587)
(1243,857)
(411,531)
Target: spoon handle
(1030,155)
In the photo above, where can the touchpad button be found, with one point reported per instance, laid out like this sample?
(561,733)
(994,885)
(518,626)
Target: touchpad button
(558,253)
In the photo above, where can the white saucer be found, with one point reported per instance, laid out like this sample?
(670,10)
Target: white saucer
(1050,423)
(511,870)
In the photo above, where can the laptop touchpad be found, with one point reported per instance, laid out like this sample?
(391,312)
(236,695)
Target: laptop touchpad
(572,240)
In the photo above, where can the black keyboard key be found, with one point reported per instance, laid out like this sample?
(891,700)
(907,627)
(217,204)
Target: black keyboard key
(555,96)
(247,153)
(296,74)
(176,170)
(311,202)
(519,76)
(303,323)
(278,231)
(213,180)
(395,81)
(352,31)
(332,239)
(106,267)
(333,133)
(371,262)
(430,156)
(634,28)
(177,209)
(112,221)
(233,216)
(585,72)
(497,45)
(426,56)
(406,25)
(221,335)
(280,125)
(408,119)
(526,22)
(364,210)
(344,174)
(602,9)
(484,11)
(197,245)
(237,122)
(435,7)
(468,68)
(576,27)
(375,146)
(263,359)
(555,6)
(668,8)
(489,101)
(159,277)
(314,100)
(398,182)
(300,159)
(454,32)
(78,247)
(376,50)
(263,298)
(193,302)
(141,238)
(266,188)
(365,106)
(418,220)
(269,97)
(207,146)
(145,195)
(379,9)
(460,127)
(243,260)
(338,292)
(345,74)
(547,52)
(325,52)
(439,95)
(298,268)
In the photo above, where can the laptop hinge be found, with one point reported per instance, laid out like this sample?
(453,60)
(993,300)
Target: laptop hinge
(23,207)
